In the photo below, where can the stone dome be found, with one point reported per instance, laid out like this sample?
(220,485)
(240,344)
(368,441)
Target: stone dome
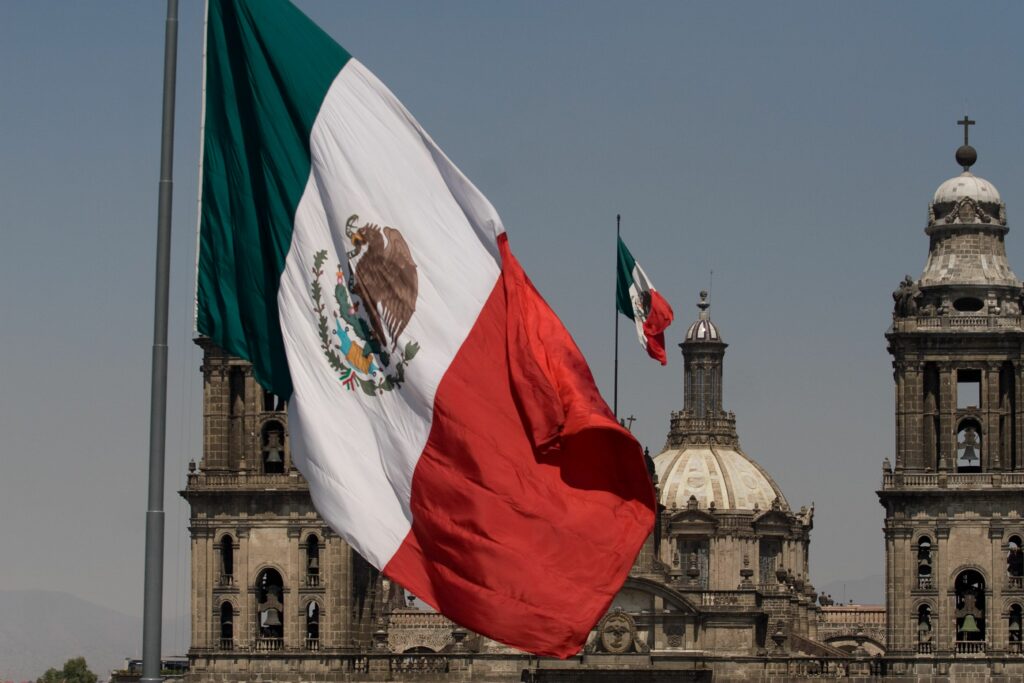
(714,473)
(966,185)
(703,331)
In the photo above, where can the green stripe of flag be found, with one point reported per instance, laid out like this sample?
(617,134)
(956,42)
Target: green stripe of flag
(624,279)
(268,68)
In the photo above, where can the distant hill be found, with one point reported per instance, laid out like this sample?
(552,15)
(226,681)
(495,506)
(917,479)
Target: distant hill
(43,629)
(868,590)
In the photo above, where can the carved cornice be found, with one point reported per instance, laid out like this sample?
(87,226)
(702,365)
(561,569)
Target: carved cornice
(966,211)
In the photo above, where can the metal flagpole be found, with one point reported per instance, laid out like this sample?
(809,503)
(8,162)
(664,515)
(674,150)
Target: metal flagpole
(615,394)
(153,601)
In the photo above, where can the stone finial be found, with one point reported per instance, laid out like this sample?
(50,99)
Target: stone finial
(703,305)
(779,636)
(781,574)
(693,571)
(380,636)
(746,573)
(458,637)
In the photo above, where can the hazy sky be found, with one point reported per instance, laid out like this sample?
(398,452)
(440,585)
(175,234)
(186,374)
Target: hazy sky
(790,147)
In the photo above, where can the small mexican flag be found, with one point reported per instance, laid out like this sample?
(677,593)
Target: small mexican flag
(637,299)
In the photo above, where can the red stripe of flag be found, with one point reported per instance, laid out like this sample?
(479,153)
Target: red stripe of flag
(530,503)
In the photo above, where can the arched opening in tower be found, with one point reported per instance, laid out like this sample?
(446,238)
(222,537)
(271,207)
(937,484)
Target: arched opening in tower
(970,609)
(270,609)
(968,446)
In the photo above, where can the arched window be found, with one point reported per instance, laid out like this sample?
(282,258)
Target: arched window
(312,560)
(970,612)
(1015,562)
(269,610)
(227,561)
(272,442)
(693,555)
(924,629)
(1013,626)
(227,626)
(924,563)
(968,447)
(313,626)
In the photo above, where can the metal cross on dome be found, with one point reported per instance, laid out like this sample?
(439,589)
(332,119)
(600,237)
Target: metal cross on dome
(966,123)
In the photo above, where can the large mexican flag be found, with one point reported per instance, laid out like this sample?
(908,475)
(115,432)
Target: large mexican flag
(448,426)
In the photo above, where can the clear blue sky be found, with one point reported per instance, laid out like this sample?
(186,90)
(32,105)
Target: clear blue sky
(790,147)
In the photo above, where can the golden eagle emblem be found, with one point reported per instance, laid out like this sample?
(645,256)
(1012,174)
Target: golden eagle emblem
(384,277)
(375,301)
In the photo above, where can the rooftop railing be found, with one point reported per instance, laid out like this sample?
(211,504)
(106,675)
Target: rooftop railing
(952,480)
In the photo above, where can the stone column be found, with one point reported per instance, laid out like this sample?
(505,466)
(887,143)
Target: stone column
(995,623)
(294,629)
(249,421)
(245,629)
(899,375)
(202,589)
(947,409)
(991,460)
(942,619)
(914,456)
(215,416)
(658,623)
(1018,414)
(890,587)
(903,575)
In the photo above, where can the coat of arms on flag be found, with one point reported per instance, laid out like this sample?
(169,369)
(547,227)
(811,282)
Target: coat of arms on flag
(362,344)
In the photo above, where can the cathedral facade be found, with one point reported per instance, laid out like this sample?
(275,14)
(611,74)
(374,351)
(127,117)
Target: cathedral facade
(721,590)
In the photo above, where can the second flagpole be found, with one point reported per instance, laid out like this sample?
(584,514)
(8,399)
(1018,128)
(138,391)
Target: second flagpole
(615,391)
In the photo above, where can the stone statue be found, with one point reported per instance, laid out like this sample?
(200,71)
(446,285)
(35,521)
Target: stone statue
(905,298)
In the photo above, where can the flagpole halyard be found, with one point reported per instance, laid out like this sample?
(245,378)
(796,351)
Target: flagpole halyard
(154,576)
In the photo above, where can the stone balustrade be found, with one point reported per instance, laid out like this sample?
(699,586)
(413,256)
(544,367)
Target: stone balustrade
(956,322)
(240,480)
(942,480)
(970,647)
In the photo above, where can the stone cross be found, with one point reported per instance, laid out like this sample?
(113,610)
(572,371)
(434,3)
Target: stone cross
(966,123)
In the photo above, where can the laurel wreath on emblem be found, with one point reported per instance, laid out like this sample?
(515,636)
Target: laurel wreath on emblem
(385,283)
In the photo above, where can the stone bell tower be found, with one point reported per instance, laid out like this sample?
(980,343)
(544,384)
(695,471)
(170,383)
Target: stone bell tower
(274,590)
(953,498)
